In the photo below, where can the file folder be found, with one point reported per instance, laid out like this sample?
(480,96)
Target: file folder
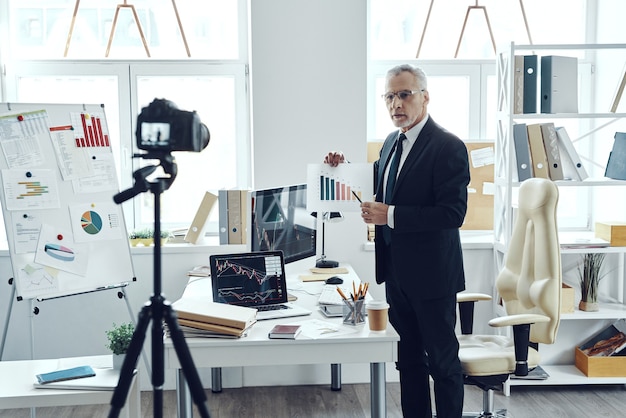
(570,160)
(522,152)
(530,83)
(616,166)
(559,84)
(537,151)
(550,143)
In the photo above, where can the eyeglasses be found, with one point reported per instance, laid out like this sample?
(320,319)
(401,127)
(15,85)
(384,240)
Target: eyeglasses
(402,95)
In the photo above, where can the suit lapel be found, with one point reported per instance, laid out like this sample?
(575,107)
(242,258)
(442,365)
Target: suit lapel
(422,139)
(385,156)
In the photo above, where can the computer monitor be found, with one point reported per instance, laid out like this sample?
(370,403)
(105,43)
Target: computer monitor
(280,221)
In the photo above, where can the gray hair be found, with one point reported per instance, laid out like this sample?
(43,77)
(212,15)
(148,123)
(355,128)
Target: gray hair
(418,73)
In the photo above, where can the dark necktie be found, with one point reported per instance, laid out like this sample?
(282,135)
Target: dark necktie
(393,169)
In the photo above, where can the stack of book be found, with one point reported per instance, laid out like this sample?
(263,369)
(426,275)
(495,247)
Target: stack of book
(202,318)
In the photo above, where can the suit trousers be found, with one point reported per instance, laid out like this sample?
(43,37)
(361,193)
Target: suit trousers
(428,346)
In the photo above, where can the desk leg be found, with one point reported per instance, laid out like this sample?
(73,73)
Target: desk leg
(378,390)
(216,379)
(183,396)
(335,376)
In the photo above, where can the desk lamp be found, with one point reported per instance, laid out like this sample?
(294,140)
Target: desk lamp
(323,262)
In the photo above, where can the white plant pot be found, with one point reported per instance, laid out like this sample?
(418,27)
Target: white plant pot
(118,361)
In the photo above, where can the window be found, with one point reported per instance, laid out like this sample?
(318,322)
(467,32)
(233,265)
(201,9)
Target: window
(213,82)
(463,90)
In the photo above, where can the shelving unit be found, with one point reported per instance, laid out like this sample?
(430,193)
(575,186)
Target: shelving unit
(562,371)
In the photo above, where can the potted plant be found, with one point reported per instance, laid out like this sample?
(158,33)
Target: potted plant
(141,236)
(119,338)
(589,277)
(145,236)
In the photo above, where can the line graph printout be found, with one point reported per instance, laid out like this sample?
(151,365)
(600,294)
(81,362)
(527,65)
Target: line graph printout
(340,188)
(249,280)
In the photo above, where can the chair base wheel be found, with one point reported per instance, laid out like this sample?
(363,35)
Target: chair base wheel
(502,413)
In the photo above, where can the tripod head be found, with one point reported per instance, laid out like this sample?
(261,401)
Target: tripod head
(141,183)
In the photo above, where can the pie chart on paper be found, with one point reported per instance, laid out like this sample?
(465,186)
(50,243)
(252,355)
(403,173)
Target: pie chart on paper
(91,222)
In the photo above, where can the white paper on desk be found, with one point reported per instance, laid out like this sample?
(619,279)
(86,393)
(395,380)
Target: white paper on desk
(317,328)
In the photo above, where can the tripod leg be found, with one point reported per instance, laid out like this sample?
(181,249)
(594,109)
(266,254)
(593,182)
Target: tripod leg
(130,362)
(186,362)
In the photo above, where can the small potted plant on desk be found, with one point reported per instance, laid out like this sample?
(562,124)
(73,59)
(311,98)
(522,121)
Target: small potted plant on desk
(141,236)
(118,341)
(145,236)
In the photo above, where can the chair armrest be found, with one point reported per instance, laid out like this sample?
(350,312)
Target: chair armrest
(466,309)
(511,320)
(471,297)
(521,336)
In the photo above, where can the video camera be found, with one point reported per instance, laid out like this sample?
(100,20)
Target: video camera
(161,126)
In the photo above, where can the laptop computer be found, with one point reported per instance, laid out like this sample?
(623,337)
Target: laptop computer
(255,280)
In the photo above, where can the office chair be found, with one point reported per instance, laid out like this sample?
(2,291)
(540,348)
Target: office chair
(529,286)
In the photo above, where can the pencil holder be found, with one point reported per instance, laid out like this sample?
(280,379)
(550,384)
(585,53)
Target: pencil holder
(353,312)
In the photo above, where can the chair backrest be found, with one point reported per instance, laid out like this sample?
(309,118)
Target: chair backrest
(530,281)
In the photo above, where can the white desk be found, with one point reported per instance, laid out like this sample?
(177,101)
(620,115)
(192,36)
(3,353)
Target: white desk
(256,349)
(17,390)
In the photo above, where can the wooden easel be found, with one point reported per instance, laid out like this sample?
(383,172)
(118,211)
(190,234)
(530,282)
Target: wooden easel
(469,9)
(117,11)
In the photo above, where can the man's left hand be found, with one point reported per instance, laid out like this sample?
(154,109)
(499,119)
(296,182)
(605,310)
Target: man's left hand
(374,213)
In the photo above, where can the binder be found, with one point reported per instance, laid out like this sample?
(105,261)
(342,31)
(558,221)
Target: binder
(559,84)
(522,152)
(570,160)
(616,165)
(550,143)
(234,208)
(234,217)
(537,151)
(196,231)
(518,84)
(530,83)
(222,204)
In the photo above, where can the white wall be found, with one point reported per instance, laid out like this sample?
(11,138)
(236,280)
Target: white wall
(308,73)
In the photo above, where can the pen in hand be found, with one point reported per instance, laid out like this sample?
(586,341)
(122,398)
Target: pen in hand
(357,196)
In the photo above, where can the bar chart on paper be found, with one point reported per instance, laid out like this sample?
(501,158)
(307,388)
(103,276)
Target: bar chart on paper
(340,188)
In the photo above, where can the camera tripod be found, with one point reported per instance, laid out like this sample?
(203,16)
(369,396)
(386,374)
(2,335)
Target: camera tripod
(157,309)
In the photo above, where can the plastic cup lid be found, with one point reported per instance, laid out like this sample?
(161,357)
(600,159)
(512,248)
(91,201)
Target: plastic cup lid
(377,304)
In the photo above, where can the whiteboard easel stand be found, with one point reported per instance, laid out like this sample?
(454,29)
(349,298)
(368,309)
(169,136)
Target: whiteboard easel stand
(8,318)
(34,310)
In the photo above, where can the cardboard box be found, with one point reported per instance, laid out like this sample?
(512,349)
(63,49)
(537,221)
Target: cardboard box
(612,231)
(609,362)
(567,298)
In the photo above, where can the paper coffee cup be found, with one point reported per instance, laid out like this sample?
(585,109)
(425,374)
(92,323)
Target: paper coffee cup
(377,313)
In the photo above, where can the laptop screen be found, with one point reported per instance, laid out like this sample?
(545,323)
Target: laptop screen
(249,279)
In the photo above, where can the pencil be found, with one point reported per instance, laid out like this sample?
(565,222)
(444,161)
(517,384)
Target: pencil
(343,295)
(357,196)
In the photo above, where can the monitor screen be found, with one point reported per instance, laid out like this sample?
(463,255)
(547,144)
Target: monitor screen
(280,221)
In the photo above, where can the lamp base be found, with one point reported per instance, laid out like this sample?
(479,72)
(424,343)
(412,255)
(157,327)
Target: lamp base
(326,264)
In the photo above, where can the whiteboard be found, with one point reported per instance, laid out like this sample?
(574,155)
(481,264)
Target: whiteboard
(66,235)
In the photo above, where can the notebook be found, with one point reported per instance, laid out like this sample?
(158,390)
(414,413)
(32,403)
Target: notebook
(255,280)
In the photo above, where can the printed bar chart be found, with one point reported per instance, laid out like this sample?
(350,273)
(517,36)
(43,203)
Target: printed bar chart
(89,130)
(332,189)
(340,188)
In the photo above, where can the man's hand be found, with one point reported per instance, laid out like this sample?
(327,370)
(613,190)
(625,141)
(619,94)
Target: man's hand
(374,213)
(334,158)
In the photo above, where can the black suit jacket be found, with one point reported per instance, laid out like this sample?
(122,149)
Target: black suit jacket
(430,201)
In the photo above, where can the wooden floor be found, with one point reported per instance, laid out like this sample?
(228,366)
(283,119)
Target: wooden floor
(353,401)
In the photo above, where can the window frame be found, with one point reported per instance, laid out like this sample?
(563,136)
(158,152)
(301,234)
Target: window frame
(126,73)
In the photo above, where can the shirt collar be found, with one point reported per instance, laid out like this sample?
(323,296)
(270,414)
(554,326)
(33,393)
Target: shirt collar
(414,132)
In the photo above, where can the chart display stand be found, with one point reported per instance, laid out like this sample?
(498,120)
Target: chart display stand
(66,235)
